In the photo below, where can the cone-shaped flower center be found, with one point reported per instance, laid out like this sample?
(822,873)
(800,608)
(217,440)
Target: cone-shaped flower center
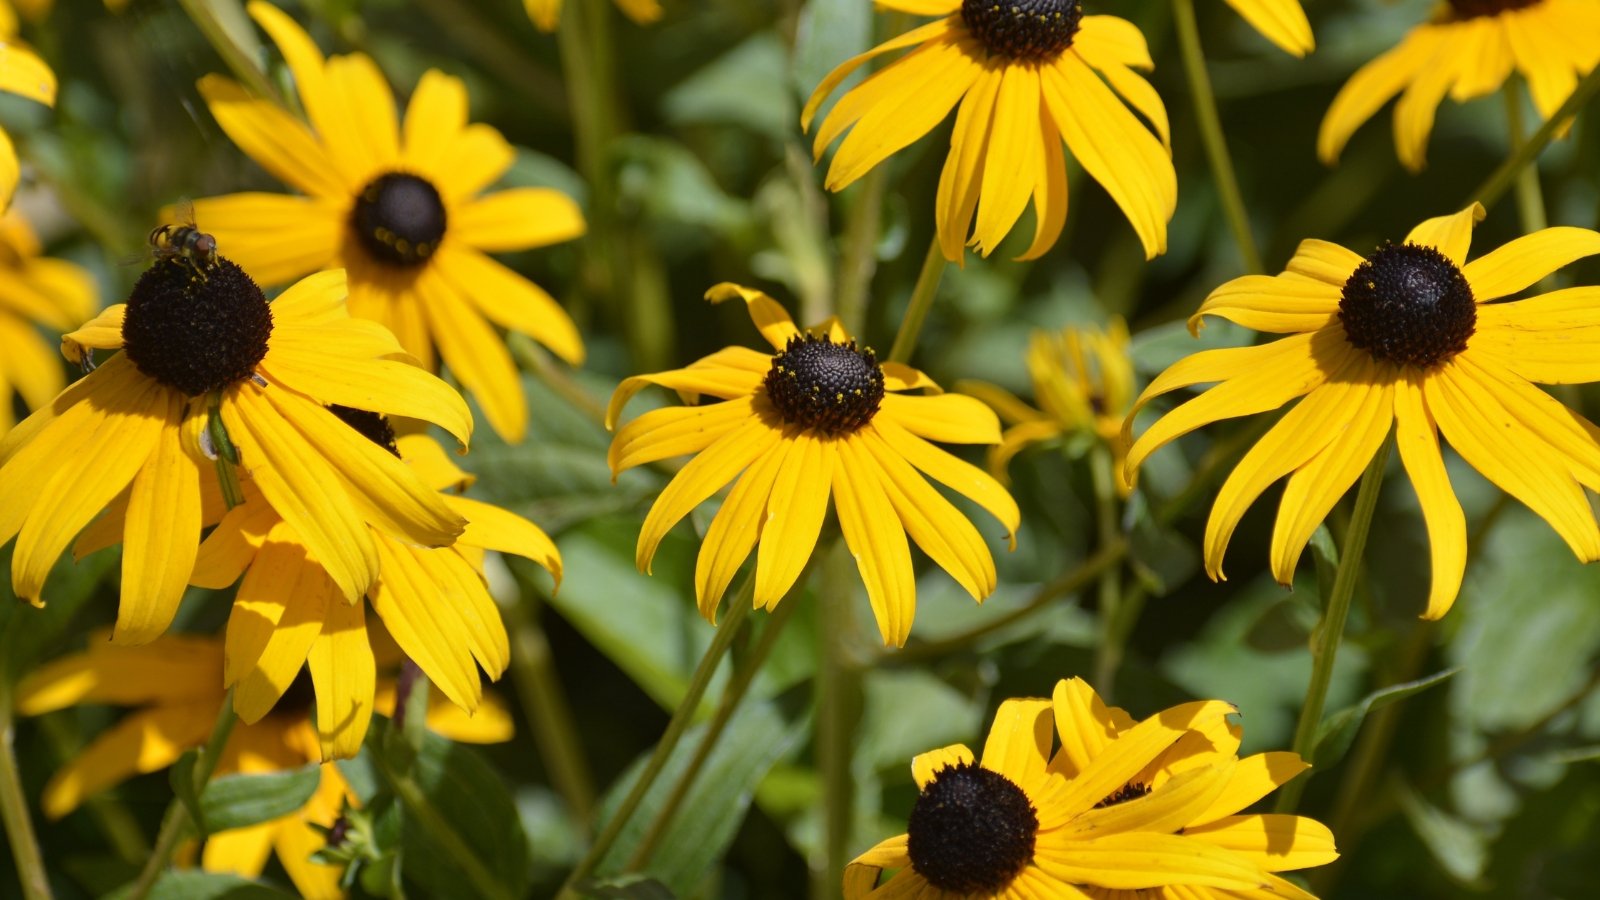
(1034,30)
(399,219)
(1410,305)
(373,426)
(971,831)
(1472,9)
(196,331)
(832,388)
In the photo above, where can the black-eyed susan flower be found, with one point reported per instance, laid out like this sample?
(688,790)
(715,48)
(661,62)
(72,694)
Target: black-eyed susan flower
(1083,382)
(820,415)
(290,614)
(201,347)
(1414,336)
(1283,22)
(174,687)
(547,13)
(1467,49)
(1120,806)
(23,73)
(35,291)
(1027,75)
(400,208)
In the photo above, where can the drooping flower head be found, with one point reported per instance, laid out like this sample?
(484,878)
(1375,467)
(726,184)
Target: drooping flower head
(817,416)
(35,291)
(173,686)
(1467,49)
(1415,337)
(201,347)
(547,13)
(1083,382)
(1027,75)
(400,208)
(1119,806)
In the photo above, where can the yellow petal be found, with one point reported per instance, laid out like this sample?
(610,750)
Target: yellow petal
(1324,261)
(1510,268)
(491,528)
(476,355)
(926,765)
(1450,235)
(162,536)
(1253,778)
(835,78)
(103,332)
(277,142)
(1140,860)
(240,851)
(961,477)
(1049,193)
(434,119)
(1267,303)
(1419,103)
(1130,85)
(173,668)
(1019,741)
(1012,410)
(767,314)
(275,237)
(511,301)
(1276,843)
(1132,750)
(1417,437)
(23,73)
(675,431)
(147,741)
(796,508)
(367,106)
(734,531)
(462,584)
(717,465)
(1282,22)
(1373,85)
(1015,148)
(407,600)
(1115,38)
(1167,809)
(711,375)
(377,385)
(947,418)
(1084,723)
(516,219)
(490,724)
(877,541)
(962,176)
(282,602)
(546,14)
(476,159)
(230,547)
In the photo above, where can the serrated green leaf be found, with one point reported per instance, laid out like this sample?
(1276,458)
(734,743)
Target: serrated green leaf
(237,801)
(1339,729)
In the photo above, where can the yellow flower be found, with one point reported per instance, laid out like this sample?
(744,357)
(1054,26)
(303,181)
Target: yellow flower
(1409,336)
(1083,382)
(174,685)
(35,291)
(128,433)
(546,14)
(23,73)
(1282,22)
(1024,84)
(400,209)
(1467,50)
(817,415)
(1120,807)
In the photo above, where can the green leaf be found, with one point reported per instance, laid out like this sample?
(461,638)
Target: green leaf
(237,801)
(181,778)
(1460,847)
(627,887)
(742,87)
(1339,729)
(828,33)
(189,884)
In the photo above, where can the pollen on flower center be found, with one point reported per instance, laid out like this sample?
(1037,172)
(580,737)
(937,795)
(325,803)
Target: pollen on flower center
(1031,30)
(832,388)
(373,426)
(971,831)
(399,219)
(1472,9)
(1408,304)
(196,331)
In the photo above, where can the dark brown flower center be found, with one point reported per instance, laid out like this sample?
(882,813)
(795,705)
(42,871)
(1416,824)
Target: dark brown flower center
(1472,9)
(971,830)
(1030,30)
(1408,304)
(832,388)
(399,219)
(373,426)
(196,330)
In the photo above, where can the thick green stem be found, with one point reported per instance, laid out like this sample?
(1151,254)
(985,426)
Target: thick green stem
(555,731)
(14,810)
(1325,643)
(175,824)
(1108,653)
(839,702)
(743,677)
(905,340)
(860,257)
(1216,143)
(1502,178)
(721,640)
(1530,201)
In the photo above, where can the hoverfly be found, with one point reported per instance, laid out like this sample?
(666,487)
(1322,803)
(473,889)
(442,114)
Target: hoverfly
(184,243)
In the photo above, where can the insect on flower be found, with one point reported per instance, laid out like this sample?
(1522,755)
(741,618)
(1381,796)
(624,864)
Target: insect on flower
(184,243)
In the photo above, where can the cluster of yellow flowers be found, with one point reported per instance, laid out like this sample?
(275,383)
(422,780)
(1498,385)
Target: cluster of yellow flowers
(280,445)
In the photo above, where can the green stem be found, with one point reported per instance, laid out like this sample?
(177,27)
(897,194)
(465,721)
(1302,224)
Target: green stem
(1108,653)
(455,847)
(1530,201)
(175,824)
(216,34)
(1216,144)
(905,340)
(1325,644)
(1502,178)
(537,360)
(721,640)
(227,454)
(743,677)
(860,256)
(839,702)
(14,810)
(550,718)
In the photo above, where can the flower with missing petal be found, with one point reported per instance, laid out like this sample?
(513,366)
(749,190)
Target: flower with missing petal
(818,416)
(202,345)
(1027,75)
(400,208)
(1467,49)
(173,686)
(547,13)
(1411,336)
(1152,808)
(35,291)
(1083,383)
